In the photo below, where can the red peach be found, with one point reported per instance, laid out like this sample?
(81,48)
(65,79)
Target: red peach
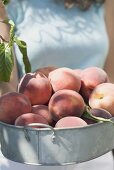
(103,97)
(43,111)
(36,87)
(29,118)
(90,78)
(78,72)
(70,121)
(64,78)
(12,105)
(66,103)
(45,70)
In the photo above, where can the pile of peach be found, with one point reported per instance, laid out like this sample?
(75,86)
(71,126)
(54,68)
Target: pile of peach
(59,97)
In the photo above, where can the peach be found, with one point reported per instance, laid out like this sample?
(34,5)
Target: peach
(78,72)
(70,121)
(66,103)
(103,97)
(45,70)
(64,78)
(90,78)
(12,105)
(29,118)
(43,111)
(36,87)
(97,112)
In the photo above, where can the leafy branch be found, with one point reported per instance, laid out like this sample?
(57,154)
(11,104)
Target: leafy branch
(6,53)
(89,115)
(5,2)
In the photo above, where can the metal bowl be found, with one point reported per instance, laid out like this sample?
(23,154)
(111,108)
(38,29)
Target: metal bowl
(56,146)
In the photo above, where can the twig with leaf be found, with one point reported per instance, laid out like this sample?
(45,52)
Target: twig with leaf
(87,114)
(6,53)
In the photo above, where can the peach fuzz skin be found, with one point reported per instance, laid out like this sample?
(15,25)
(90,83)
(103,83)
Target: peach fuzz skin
(70,121)
(90,78)
(43,111)
(29,118)
(12,105)
(36,87)
(103,97)
(64,78)
(66,103)
(45,70)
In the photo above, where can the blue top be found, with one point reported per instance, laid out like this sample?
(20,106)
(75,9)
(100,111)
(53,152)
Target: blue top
(59,36)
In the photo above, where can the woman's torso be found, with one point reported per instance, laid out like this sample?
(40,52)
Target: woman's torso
(59,36)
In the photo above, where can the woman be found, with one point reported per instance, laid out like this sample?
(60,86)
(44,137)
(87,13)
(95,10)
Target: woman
(77,36)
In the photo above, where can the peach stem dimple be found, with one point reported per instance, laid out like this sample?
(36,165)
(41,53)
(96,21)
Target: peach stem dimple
(99,96)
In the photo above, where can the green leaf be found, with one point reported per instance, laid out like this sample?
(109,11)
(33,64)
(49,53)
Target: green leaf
(23,49)
(12,32)
(5,2)
(6,55)
(88,114)
(6,62)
